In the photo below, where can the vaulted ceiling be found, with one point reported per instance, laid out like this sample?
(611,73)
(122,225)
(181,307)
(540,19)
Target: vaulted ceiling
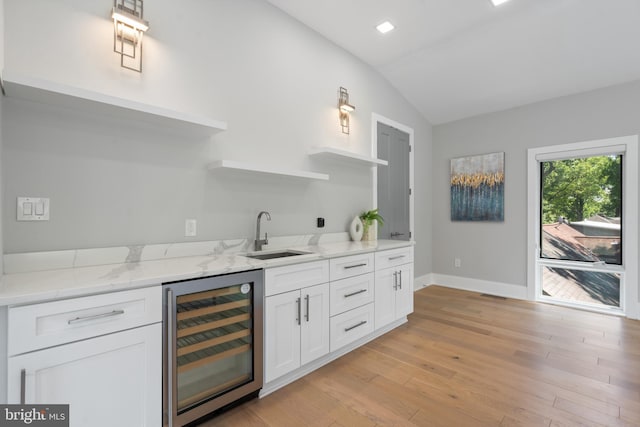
(454,59)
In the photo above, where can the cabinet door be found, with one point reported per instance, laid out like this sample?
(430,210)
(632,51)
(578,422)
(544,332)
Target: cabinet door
(282,334)
(404,292)
(314,331)
(112,380)
(385,296)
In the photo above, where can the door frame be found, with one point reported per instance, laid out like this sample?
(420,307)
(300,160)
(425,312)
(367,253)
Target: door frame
(375,119)
(629,281)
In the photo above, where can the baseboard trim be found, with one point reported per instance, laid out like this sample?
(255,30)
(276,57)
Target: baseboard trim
(475,285)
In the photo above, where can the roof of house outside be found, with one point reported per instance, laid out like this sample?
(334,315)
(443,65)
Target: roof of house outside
(559,242)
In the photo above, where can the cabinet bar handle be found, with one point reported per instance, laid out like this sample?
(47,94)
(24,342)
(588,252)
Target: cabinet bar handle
(299,310)
(355,265)
(95,317)
(396,257)
(23,386)
(395,280)
(355,326)
(307,301)
(400,274)
(355,293)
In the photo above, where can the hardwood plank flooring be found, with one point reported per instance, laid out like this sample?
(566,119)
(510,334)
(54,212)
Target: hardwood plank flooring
(465,359)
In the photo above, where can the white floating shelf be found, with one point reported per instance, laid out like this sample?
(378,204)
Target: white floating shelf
(52,93)
(241,166)
(346,155)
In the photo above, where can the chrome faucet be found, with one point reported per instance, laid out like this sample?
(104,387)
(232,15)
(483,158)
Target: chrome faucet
(261,242)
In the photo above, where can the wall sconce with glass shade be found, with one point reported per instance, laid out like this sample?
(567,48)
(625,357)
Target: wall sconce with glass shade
(344,108)
(128,29)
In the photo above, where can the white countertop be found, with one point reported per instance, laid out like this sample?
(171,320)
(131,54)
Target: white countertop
(39,286)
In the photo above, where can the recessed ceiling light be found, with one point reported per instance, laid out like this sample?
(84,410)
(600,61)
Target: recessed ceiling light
(498,2)
(386,26)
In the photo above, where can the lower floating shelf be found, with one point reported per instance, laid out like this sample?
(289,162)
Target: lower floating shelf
(241,166)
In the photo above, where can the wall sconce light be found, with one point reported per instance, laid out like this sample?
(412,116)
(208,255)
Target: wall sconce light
(128,29)
(344,108)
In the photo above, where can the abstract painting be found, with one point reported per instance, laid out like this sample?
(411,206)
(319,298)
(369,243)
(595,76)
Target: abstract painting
(477,188)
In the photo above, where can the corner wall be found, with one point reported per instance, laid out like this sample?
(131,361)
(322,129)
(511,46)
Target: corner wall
(494,255)
(272,79)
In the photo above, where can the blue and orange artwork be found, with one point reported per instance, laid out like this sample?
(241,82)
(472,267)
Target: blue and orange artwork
(477,188)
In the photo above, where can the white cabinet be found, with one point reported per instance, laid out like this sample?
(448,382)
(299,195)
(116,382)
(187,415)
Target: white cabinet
(297,329)
(296,316)
(352,292)
(112,380)
(352,295)
(90,352)
(393,286)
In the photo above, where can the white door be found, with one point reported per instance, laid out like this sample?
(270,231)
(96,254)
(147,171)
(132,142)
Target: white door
(404,291)
(113,380)
(314,338)
(282,336)
(393,182)
(385,296)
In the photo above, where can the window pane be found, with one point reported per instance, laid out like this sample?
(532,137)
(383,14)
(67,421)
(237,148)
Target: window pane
(580,286)
(582,209)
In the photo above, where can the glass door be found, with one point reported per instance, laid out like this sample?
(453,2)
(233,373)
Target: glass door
(214,337)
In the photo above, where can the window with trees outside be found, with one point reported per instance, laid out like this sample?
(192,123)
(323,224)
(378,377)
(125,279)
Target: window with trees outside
(581,222)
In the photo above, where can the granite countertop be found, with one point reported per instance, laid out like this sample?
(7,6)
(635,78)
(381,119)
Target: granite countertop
(39,286)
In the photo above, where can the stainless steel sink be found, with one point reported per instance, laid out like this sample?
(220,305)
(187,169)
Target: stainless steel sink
(278,254)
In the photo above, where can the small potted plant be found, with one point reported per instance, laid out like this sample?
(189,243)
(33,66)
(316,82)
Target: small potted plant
(368,218)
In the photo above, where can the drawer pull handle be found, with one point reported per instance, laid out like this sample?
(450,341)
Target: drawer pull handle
(355,293)
(95,317)
(355,326)
(396,257)
(355,265)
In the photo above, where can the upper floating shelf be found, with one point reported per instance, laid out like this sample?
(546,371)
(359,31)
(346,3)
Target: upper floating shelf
(346,155)
(52,93)
(241,166)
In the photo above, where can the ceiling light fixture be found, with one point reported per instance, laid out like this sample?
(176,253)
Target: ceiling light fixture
(128,29)
(387,26)
(344,108)
(498,2)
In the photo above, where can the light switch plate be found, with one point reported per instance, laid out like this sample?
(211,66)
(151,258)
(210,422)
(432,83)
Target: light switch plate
(33,208)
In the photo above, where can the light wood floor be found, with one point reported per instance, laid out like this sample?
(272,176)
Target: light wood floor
(469,360)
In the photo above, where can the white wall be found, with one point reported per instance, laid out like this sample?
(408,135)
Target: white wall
(496,252)
(273,80)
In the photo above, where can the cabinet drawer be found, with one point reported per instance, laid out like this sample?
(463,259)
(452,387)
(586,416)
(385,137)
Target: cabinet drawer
(351,326)
(349,266)
(37,326)
(350,293)
(394,257)
(290,277)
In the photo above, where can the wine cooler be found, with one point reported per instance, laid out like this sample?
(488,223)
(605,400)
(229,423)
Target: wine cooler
(212,344)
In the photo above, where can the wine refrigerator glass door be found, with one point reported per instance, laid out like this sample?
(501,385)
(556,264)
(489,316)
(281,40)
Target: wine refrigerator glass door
(215,338)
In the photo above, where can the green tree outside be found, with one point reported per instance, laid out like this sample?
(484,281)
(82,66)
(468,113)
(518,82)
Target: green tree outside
(580,188)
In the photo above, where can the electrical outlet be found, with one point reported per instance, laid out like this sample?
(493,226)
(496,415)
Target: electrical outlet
(457,262)
(190,227)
